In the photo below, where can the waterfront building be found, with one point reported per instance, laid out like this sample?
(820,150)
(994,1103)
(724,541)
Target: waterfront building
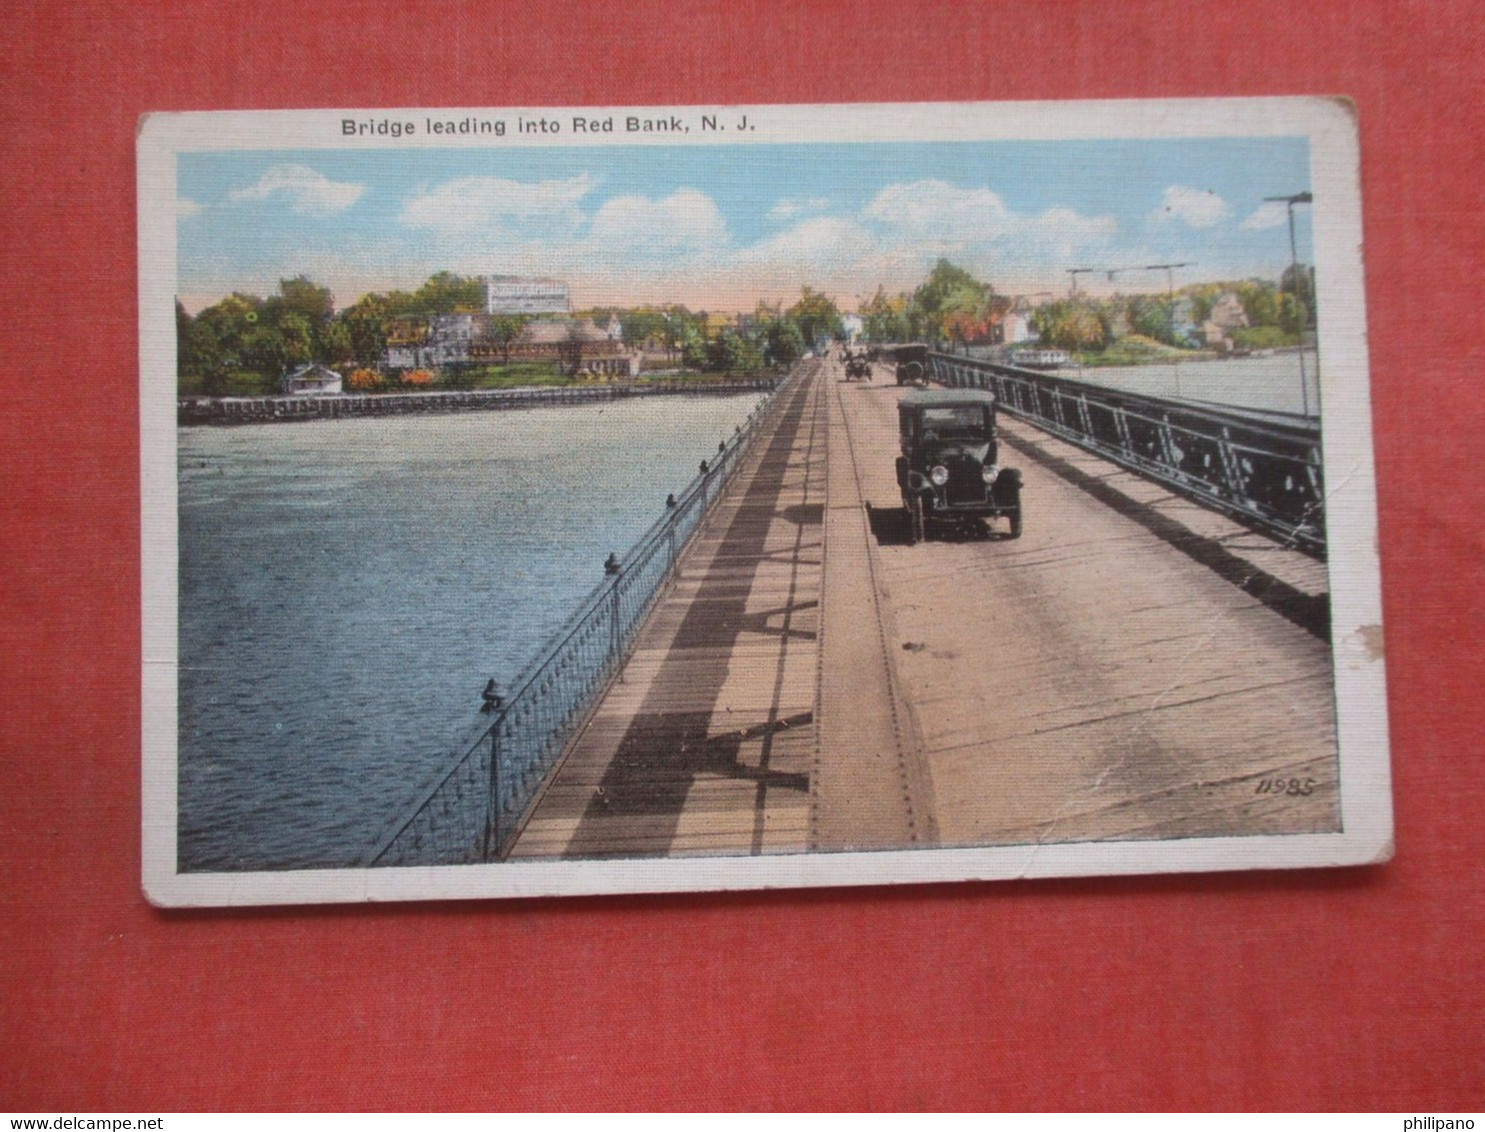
(312,378)
(512,294)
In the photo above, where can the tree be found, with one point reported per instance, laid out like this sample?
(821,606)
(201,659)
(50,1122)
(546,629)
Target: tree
(1298,282)
(952,303)
(732,353)
(198,353)
(335,343)
(643,326)
(303,297)
(785,341)
(692,346)
(816,316)
(1072,324)
(572,348)
(1294,316)
(231,320)
(1260,301)
(504,329)
(298,338)
(1153,317)
(447,293)
(366,323)
(263,350)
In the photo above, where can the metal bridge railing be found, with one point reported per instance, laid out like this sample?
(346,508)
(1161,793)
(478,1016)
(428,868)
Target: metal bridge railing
(1263,469)
(471,809)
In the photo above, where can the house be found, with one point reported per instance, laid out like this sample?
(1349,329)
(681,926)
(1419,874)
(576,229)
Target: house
(1183,326)
(1228,313)
(312,378)
(1016,326)
(574,345)
(443,339)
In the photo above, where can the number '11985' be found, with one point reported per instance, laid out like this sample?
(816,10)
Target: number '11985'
(1295,787)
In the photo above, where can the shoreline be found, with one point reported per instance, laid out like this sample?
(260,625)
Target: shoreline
(286,408)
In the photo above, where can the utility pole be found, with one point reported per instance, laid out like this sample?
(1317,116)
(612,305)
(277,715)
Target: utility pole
(1170,298)
(1075,272)
(1168,268)
(1290,201)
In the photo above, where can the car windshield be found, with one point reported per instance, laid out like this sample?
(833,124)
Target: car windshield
(954,420)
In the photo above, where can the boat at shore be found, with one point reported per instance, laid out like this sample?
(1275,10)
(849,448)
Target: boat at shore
(1040,359)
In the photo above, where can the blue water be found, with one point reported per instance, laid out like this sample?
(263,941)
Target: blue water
(347,587)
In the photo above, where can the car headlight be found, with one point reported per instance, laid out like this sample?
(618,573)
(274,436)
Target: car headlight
(990,473)
(939,475)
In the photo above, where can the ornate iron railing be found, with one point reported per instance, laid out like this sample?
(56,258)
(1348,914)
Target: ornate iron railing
(474,805)
(1263,469)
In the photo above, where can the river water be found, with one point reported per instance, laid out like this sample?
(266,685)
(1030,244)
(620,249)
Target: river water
(1271,383)
(347,587)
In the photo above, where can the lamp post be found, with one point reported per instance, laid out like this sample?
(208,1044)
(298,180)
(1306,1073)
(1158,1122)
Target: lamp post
(1290,201)
(1170,300)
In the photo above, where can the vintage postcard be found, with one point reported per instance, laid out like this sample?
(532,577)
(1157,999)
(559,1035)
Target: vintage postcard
(563,501)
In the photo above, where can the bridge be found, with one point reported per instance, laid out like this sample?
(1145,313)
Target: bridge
(776,668)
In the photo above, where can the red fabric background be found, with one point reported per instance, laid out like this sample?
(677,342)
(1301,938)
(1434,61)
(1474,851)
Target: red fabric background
(1352,989)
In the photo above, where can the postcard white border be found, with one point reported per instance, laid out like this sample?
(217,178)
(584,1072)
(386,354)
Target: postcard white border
(1365,778)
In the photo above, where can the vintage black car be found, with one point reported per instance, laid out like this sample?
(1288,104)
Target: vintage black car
(911,364)
(858,366)
(948,470)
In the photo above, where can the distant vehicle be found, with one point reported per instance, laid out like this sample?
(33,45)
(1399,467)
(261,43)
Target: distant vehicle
(948,471)
(1040,359)
(912,364)
(858,367)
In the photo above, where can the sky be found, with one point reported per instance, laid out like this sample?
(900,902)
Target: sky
(720,227)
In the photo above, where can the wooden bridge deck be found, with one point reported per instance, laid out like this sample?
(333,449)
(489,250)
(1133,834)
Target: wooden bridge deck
(707,743)
(1133,667)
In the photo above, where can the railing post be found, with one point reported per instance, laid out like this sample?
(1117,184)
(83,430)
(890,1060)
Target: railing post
(491,848)
(613,635)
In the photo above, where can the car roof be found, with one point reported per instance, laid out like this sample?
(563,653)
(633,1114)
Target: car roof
(943,398)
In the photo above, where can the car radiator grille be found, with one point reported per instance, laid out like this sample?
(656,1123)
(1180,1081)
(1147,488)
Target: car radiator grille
(965,484)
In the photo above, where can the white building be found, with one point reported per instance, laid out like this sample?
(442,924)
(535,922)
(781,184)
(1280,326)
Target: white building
(312,378)
(511,294)
(1017,327)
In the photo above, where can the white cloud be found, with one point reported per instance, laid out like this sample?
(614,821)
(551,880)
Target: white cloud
(823,240)
(923,220)
(789,207)
(1197,208)
(687,221)
(495,204)
(185,206)
(1270,214)
(939,209)
(307,191)
(1066,233)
